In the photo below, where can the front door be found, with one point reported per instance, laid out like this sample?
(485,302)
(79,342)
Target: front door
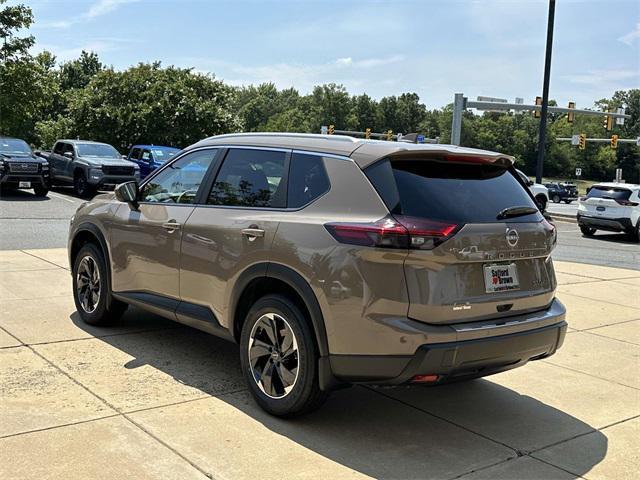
(145,242)
(235,228)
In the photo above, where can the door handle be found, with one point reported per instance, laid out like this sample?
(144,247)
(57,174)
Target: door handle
(171,226)
(252,232)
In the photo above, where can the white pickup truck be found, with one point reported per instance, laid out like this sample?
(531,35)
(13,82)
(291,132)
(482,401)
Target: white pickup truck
(539,191)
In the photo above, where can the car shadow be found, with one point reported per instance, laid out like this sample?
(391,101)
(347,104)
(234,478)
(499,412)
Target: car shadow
(364,428)
(22,196)
(622,238)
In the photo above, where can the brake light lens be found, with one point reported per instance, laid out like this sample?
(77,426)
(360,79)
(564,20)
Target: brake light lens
(394,232)
(627,203)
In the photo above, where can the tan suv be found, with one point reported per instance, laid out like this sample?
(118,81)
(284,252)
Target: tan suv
(330,260)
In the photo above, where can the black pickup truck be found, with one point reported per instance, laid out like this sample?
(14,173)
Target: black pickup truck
(20,168)
(89,166)
(562,192)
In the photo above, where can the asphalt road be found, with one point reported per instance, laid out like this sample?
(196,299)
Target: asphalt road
(563,208)
(27,221)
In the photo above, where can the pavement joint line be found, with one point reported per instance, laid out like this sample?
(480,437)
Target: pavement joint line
(53,427)
(577,475)
(49,269)
(603,326)
(590,374)
(35,218)
(480,469)
(119,412)
(44,259)
(517,452)
(610,338)
(595,299)
(601,279)
(94,337)
(206,396)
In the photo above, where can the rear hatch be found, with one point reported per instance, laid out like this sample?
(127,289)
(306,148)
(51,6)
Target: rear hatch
(479,247)
(605,201)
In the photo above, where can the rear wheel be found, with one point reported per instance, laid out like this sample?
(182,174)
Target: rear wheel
(556,199)
(587,231)
(40,190)
(279,358)
(91,291)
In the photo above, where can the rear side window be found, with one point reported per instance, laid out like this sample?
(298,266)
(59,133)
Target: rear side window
(447,191)
(250,178)
(308,179)
(135,154)
(609,192)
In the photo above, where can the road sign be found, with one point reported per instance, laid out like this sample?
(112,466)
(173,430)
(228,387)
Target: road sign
(575,140)
(420,139)
(578,172)
(620,120)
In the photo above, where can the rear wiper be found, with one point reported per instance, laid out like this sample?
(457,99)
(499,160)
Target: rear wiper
(511,212)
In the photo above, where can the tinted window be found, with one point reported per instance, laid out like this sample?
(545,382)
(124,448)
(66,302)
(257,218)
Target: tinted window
(609,192)
(67,147)
(135,154)
(463,193)
(307,179)
(59,148)
(97,150)
(180,181)
(250,178)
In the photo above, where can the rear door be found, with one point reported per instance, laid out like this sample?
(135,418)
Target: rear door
(608,202)
(56,163)
(236,226)
(466,261)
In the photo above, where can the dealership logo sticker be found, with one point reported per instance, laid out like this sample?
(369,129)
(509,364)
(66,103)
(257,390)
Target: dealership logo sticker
(512,237)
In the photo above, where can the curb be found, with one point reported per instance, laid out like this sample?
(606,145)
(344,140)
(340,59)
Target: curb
(565,217)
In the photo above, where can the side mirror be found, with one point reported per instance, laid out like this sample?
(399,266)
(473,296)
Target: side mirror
(124,157)
(128,192)
(68,154)
(529,183)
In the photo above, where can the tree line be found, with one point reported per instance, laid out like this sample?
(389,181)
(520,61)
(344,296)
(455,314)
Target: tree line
(42,100)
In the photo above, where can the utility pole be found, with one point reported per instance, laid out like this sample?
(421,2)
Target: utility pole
(545,91)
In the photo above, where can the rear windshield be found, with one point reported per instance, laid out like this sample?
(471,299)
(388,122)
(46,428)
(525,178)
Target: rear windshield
(463,193)
(609,192)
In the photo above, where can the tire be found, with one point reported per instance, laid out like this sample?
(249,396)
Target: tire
(98,307)
(293,387)
(542,202)
(636,235)
(40,190)
(81,187)
(556,199)
(587,231)
(567,202)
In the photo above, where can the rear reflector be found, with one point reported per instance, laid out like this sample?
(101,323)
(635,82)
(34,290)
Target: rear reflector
(627,203)
(394,232)
(425,379)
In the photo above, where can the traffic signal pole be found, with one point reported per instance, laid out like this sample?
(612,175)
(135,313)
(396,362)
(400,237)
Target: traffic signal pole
(545,92)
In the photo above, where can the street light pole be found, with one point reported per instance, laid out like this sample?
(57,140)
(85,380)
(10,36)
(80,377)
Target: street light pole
(545,92)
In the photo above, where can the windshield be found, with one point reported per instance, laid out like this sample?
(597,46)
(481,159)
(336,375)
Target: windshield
(162,154)
(609,192)
(14,146)
(97,150)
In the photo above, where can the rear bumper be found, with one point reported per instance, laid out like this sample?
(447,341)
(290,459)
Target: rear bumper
(486,354)
(610,224)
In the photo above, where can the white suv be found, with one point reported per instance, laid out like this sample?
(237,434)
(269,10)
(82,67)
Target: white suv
(614,207)
(539,191)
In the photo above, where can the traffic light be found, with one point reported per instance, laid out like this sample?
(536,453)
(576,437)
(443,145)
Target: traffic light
(389,135)
(582,141)
(536,113)
(614,141)
(607,123)
(332,129)
(367,133)
(571,115)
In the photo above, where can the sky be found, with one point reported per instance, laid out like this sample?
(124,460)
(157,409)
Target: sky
(432,47)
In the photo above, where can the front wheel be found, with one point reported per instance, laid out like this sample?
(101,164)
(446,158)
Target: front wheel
(587,231)
(279,358)
(556,199)
(542,202)
(91,291)
(40,190)
(81,187)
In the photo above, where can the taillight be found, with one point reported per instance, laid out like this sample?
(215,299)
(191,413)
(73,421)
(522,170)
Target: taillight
(394,232)
(550,228)
(627,203)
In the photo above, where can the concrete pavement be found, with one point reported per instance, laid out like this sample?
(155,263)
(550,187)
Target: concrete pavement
(152,399)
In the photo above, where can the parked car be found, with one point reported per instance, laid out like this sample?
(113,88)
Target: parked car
(330,260)
(89,166)
(613,207)
(20,168)
(539,191)
(562,192)
(150,157)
